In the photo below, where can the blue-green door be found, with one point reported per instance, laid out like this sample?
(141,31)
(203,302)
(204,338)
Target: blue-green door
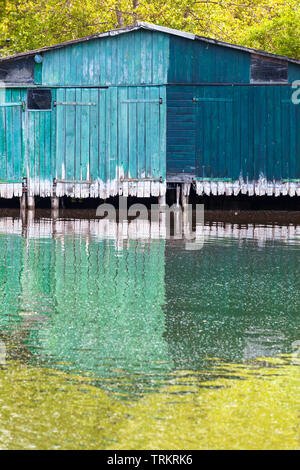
(108,140)
(214,111)
(12,152)
(247,133)
(39,128)
(78,132)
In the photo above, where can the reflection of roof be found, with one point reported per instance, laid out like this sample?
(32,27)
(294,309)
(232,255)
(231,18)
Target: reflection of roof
(151,27)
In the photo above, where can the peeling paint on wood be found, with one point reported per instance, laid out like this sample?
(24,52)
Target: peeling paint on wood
(262,187)
(235,139)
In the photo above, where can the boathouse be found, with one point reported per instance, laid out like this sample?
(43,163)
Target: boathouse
(137,110)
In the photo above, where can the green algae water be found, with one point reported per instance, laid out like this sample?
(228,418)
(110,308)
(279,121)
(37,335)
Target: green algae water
(112,337)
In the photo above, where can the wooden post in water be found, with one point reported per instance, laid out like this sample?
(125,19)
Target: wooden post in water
(54,199)
(54,203)
(177,195)
(184,201)
(23,198)
(162,200)
(23,201)
(185,192)
(30,217)
(30,202)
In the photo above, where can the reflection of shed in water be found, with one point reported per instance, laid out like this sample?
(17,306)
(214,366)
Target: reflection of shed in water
(91,296)
(11,259)
(25,288)
(92,306)
(109,309)
(243,301)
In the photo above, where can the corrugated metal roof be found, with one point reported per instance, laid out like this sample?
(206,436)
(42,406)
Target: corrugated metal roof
(152,27)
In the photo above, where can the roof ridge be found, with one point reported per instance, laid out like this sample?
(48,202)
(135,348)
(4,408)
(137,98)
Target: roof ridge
(150,27)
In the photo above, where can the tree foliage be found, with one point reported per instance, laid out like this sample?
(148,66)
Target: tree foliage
(272,25)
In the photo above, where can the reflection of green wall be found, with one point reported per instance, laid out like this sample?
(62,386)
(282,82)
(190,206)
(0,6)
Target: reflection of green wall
(108,309)
(37,280)
(26,291)
(11,250)
(83,305)
(80,304)
(232,300)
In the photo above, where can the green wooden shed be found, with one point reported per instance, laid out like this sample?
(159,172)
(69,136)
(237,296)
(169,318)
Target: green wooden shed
(136,110)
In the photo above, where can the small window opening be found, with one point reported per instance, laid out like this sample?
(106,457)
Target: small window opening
(268,70)
(39,99)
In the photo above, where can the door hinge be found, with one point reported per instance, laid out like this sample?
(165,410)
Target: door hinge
(12,105)
(72,103)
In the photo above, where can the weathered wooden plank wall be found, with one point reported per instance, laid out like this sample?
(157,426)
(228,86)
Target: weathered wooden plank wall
(107,134)
(138,57)
(96,142)
(114,143)
(198,62)
(234,139)
(181,132)
(40,149)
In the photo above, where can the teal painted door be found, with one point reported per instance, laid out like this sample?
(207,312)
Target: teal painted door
(39,127)
(11,142)
(246,132)
(96,142)
(214,110)
(108,136)
(142,133)
(78,131)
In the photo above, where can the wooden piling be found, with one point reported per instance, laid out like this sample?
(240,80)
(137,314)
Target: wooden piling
(55,203)
(30,202)
(185,193)
(162,200)
(23,201)
(177,195)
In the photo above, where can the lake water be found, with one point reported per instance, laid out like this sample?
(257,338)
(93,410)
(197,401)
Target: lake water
(112,337)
